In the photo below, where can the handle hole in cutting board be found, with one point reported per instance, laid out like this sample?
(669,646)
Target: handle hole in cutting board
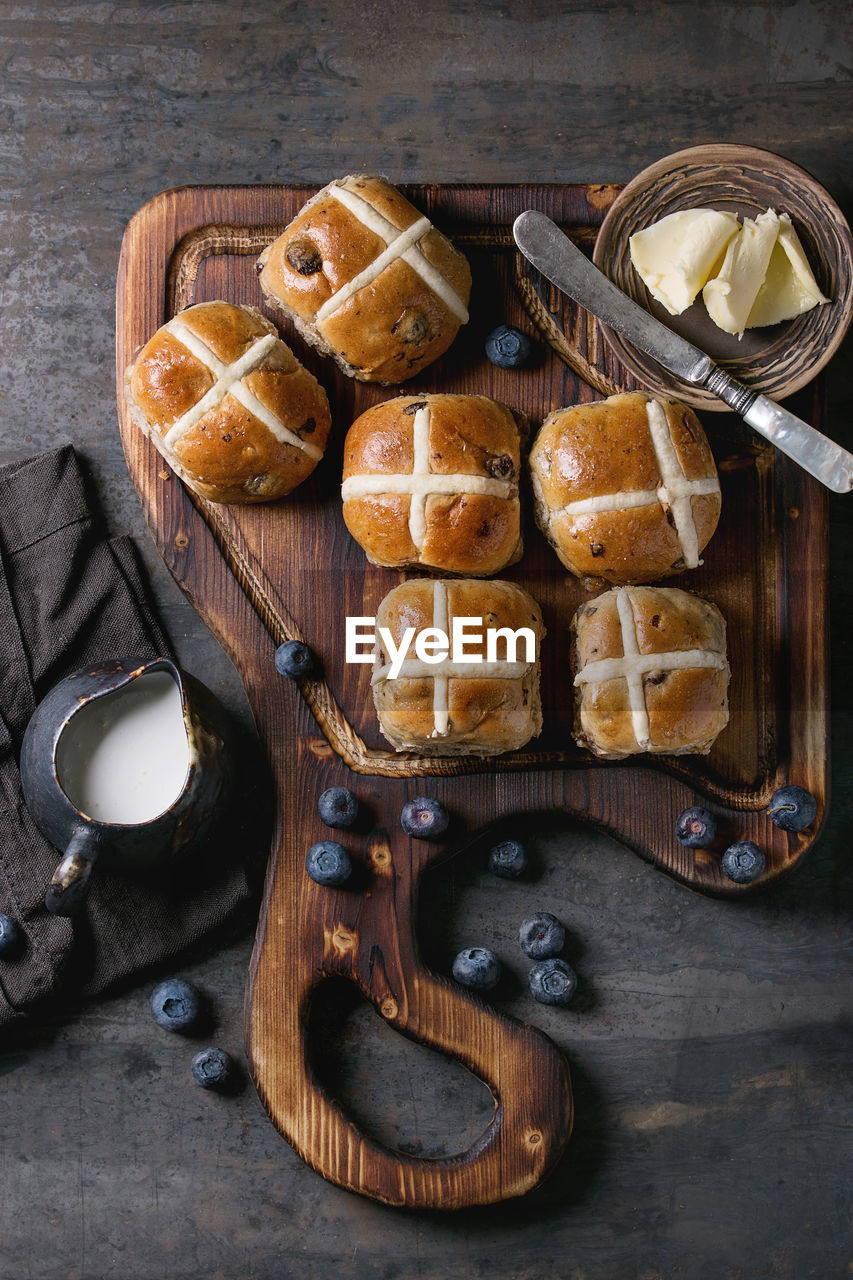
(403,1094)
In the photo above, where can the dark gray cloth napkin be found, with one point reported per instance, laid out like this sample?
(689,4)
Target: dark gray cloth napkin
(69,597)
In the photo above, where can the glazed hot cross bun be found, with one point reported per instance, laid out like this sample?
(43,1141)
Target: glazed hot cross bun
(626,489)
(459,708)
(228,405)
(651,673)
(368,280)
(432,482)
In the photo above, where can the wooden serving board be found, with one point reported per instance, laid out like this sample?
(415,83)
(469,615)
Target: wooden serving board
(263,574)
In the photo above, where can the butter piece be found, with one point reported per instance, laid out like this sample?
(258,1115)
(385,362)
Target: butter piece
(789,288)
(676,256)
(730,295)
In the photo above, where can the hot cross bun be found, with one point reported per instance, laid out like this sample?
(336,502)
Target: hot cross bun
(367,279)
(432,482)
(228,405)
(459,708)
(651,673)
(626,489)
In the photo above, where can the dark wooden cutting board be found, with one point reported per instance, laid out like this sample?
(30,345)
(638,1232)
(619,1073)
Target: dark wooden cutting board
(262,574)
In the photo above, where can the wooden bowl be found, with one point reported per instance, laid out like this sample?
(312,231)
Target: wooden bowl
(777,360)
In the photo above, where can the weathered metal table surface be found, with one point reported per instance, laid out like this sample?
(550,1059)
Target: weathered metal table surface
(710,1045)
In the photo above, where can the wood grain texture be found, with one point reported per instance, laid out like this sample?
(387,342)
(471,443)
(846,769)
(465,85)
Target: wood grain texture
(260,575)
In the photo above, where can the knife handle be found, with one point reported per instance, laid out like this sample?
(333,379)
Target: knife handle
(827,461)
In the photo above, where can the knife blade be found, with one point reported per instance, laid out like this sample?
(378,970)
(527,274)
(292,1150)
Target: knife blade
(565,265)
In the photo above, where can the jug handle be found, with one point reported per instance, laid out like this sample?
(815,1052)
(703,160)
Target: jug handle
(70,882)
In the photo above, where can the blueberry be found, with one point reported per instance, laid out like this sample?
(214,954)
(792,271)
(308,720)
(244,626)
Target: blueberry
(328,863)
(541,935)
(213,1069)
(508,348)
(792,808)
(695,827)
(743,862)
(176,1005)
(508,859)
(338,807)
(477,967)
(424,817)
(294,659)
(10,936)
(552,982)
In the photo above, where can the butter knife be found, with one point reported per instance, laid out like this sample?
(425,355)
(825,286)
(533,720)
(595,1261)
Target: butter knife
(551,252)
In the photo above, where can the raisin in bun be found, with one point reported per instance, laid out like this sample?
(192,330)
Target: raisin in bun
(626,489)
(368,280)
(432,482)
(651,673)
(450,708)
(228,405)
